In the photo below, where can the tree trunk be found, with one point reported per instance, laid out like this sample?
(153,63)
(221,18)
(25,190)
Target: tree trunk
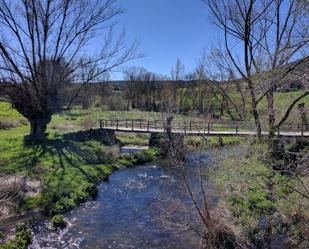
(255,112)
(271,114)
(38,125)
(128,104)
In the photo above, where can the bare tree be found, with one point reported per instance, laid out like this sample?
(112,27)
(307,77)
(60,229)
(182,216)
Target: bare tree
(178,71)
(238,20)
(219,69)
(132,76)
(177,74)
(213,71)
(267,38)
(286,40)
(212,224)
(44,44)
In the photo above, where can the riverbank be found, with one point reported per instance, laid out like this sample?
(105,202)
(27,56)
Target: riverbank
(267,192)
(264,204)
(58,174)
(134,209)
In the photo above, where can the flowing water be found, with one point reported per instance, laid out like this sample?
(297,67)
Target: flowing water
(141,207)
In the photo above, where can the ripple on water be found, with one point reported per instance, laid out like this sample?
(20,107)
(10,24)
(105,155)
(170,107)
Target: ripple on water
(126,214)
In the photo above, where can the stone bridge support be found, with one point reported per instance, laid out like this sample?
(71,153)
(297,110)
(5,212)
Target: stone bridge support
(105,136)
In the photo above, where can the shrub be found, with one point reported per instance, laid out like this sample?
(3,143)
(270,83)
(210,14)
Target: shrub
(63,205)
(22,239)
(58,221)
(125,163)
(23,121)
(107,154)
(146,156)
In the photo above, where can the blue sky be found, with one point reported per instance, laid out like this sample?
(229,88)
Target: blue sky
(167,30)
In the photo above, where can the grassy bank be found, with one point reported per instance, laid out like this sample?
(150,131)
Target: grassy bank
(55,175)
(65,173)
(266,201)
(68,171)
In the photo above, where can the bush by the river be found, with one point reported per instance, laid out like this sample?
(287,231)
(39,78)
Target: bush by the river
(58,221)
(21,240)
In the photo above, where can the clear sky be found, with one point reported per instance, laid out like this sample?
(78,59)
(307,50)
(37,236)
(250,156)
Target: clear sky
(167,30)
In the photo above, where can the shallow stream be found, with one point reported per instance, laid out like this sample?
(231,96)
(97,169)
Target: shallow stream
(141,207)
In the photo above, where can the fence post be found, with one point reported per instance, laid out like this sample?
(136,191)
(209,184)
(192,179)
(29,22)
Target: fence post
(117,124)
(236,128)
(140,124)
(190,126)
(126,123)
(278,131)
(147,125)
(132,121)
(101,124)
(155,124)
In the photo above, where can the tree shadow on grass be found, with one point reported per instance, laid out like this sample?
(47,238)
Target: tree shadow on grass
(67,169)
(54,154)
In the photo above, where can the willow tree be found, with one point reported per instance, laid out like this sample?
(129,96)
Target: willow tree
(46,44)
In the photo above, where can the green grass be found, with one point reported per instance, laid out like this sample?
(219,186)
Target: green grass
(193,142)
(68,171)
(281,103)
(135,139)
(244,183)
(6,111)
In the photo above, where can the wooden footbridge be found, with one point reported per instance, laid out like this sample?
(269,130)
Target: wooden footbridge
(196,128)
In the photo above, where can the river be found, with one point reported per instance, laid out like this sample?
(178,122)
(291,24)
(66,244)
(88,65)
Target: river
(141,207)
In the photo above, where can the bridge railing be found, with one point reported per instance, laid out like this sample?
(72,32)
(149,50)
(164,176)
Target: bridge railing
(185,126)
(189,126)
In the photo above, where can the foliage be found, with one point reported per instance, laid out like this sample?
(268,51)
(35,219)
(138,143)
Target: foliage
(128,159)
(22,239)
(58,221)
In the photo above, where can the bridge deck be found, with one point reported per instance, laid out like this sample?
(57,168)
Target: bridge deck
(191,129)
